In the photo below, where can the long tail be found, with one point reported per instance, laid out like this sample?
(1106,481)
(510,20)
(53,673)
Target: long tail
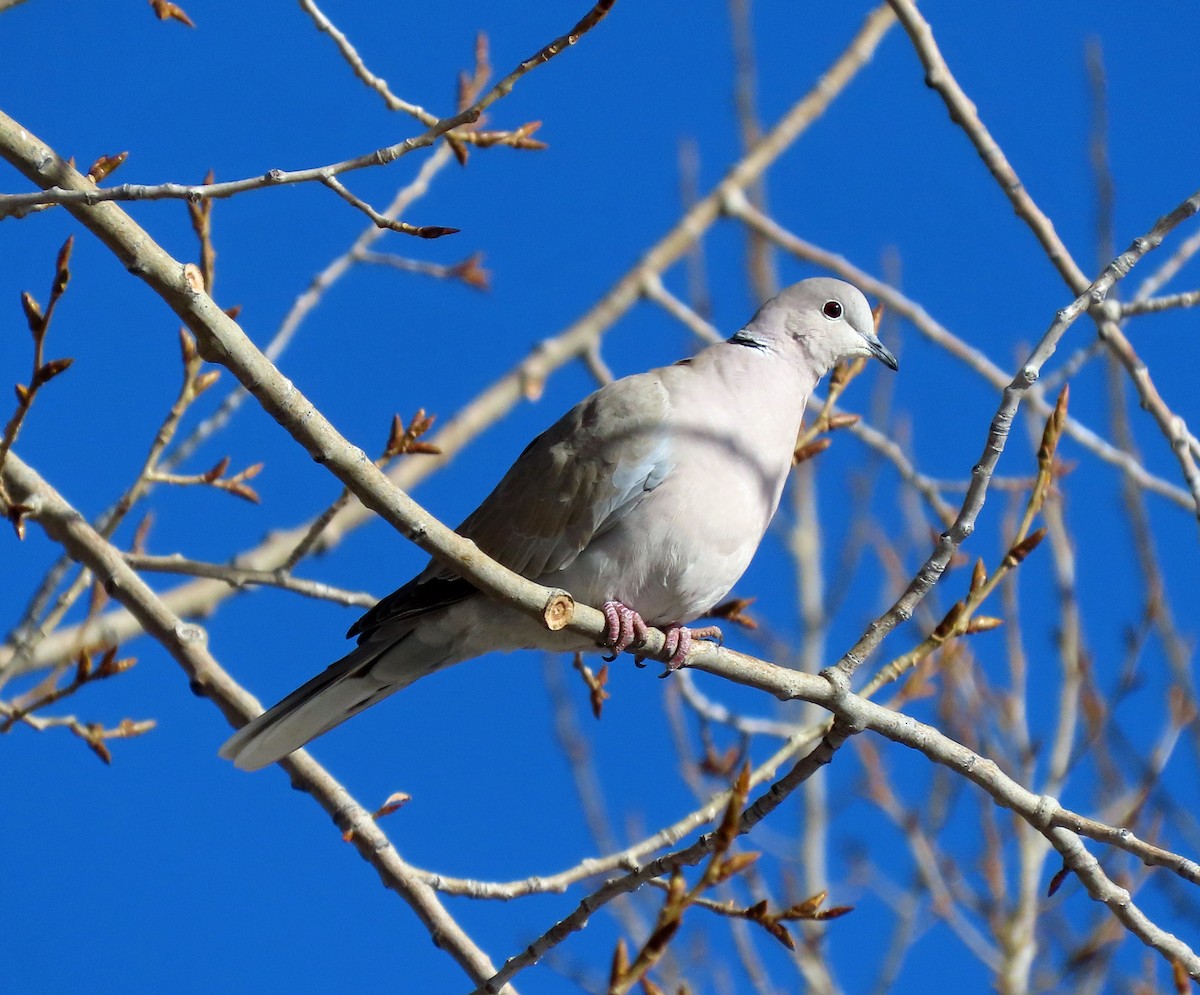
(362,677)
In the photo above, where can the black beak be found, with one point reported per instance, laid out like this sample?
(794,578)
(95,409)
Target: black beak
(882,353)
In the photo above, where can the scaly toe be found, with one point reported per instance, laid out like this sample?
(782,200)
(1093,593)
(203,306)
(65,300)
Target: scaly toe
(712,632)
(625,628)
(678,641)
(677,644)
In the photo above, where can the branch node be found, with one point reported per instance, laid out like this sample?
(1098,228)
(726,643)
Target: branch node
(187,632)
(1043,814)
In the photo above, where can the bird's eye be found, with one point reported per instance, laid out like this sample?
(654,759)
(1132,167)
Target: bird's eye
(832,309)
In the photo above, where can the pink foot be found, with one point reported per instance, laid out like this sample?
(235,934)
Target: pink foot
(679,643)
(625,628)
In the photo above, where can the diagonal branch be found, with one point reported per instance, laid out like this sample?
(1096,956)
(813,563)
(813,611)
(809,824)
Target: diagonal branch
(551,354)
(964,114)
(187,644)
(981,474)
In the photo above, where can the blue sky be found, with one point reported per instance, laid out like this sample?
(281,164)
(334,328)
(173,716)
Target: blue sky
(171,870)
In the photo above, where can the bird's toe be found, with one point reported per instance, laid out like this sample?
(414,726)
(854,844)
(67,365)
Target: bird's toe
(678,643)
(625,628)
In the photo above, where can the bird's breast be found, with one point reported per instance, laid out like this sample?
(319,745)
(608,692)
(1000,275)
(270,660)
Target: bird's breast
(675,553)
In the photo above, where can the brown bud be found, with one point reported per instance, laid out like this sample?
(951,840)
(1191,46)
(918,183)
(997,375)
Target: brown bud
(833,913)
(205,380)
(105,165)
(395,442)
(620,962)
(96,744)
(48,371)
(459,148)
(138,545)
(1057,880)
(244,491)
(814,448)
(396,801)
(252,471)
(978,576)
(63,258)
(218,471)
(110,666)
(847,371)
(947,624)
(167,10)
(33,312)
(734,610)
(1025,547)
(735,864)
(844,420)
(806,909)
(727,831)
(471,273)
(1054,426)
(434,231)
(187,346)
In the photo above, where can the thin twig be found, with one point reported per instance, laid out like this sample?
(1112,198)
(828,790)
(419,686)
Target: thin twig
(239,577)
(92,194)
(964,113)
(973,358)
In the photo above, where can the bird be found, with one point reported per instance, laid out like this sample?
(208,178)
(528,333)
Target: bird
(648,498)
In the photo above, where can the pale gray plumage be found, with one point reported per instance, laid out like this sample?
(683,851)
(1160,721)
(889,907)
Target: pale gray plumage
(654,493)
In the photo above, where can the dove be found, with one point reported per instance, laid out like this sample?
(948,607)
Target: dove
(647,499)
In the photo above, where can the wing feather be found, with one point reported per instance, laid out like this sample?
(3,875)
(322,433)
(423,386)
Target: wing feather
(572,481)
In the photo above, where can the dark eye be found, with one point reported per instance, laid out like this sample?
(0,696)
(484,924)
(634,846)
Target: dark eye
(832,309)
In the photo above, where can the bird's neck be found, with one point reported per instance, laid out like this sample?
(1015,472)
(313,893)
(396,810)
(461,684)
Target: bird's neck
(765,382)
(784,362)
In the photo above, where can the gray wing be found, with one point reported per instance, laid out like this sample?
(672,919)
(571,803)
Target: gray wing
(570,484)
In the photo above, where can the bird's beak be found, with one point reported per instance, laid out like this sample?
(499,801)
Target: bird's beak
(882,353)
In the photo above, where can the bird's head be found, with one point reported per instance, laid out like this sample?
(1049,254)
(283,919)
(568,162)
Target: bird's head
(829,320)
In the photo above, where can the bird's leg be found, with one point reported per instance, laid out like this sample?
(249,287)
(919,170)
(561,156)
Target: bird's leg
(679,640)
(625,628)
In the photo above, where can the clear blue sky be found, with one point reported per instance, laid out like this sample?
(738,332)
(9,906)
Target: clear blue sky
(171,871)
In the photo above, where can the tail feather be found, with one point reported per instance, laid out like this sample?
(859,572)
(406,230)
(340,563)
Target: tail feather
(390,658)
(342,690)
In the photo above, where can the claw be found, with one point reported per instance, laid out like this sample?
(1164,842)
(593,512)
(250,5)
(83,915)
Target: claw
(679,641)
(625,628)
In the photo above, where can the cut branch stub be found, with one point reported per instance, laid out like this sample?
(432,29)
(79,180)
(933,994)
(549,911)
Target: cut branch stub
(558,611)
